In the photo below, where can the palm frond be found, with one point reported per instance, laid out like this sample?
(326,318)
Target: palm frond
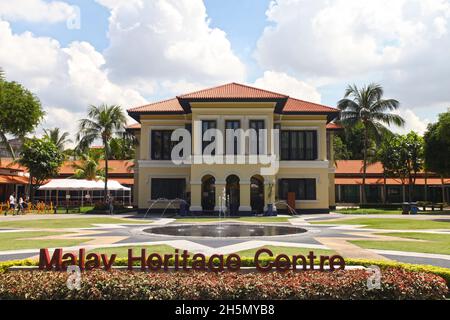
(389,118)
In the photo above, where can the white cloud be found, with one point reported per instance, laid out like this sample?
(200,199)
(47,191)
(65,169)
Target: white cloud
(66,80)
(283,83)
(61,118)
(36,11)
(402,43)
(168,43)
(412,122)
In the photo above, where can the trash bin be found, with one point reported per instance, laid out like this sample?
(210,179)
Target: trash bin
(414,208)
(406,208)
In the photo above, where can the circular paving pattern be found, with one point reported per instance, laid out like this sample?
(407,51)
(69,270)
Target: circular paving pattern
(228,230)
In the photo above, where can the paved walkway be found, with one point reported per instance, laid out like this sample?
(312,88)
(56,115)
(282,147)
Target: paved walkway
(328,237)
(349,250)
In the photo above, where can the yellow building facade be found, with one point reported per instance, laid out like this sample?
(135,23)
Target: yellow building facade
(300,175)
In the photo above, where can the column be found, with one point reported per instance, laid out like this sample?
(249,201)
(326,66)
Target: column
(245,194)
(196,197)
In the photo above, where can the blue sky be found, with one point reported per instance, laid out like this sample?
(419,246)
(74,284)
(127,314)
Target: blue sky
(296,47)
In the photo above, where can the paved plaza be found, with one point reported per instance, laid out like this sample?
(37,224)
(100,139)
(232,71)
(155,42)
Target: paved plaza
(324,236)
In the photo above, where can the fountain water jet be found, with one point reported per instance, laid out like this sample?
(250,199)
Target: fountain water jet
(153,203)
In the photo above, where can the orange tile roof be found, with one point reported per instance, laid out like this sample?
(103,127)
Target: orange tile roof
(296,105)
(134,126)
(171,105)
(334,126)
(352,169)
(233,91)
(115,166)
(128,181)
(389,181)
(228,92)
(13,179)
(355,167)
(8,164)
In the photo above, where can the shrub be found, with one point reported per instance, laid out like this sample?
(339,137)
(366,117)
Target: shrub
(100,285)
(249,262)
(442,272)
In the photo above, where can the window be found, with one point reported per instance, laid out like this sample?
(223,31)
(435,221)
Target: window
(232,125)
(168,188)
(304,189)
(206,125)
(258,125)
(298,145)
(161,144)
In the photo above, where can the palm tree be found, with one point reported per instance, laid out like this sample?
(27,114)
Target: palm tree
(58,138)
(366,106)
(89,167)
(103,123)
(123,146)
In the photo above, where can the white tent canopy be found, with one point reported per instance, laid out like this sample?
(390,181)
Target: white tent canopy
(82,185)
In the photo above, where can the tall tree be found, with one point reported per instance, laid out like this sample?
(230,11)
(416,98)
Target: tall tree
(353,138)
(341,151)
(89,167)
(390,155)
(103,123)
(123,146)
(42,159)
(60,139)
(412,149)
(365,106)
(402,157)
(20,112)
(437,149)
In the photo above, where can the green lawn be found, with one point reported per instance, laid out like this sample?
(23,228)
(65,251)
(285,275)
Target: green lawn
(385,211)
(68,223)
(237,219)
(436,243)
(367,211)
(14,241)
(387,223)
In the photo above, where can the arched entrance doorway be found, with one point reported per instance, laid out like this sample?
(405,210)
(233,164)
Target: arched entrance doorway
(233,195)
(257,194)
(208,193)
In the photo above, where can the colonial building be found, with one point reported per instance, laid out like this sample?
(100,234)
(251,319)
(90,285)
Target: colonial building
(304,179)
(380,188)
(13,179)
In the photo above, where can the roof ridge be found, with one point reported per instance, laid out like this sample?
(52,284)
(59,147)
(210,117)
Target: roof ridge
(314,103)
(228,84)
(194,92)
(268,91)
(151,104)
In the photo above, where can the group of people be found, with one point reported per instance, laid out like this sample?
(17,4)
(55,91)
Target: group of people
(17,206)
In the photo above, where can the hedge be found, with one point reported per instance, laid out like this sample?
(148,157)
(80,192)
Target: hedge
(125,285)
(249,262)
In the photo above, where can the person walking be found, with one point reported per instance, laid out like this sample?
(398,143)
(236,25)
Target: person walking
(20,206)
(12,203)
(110,203)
